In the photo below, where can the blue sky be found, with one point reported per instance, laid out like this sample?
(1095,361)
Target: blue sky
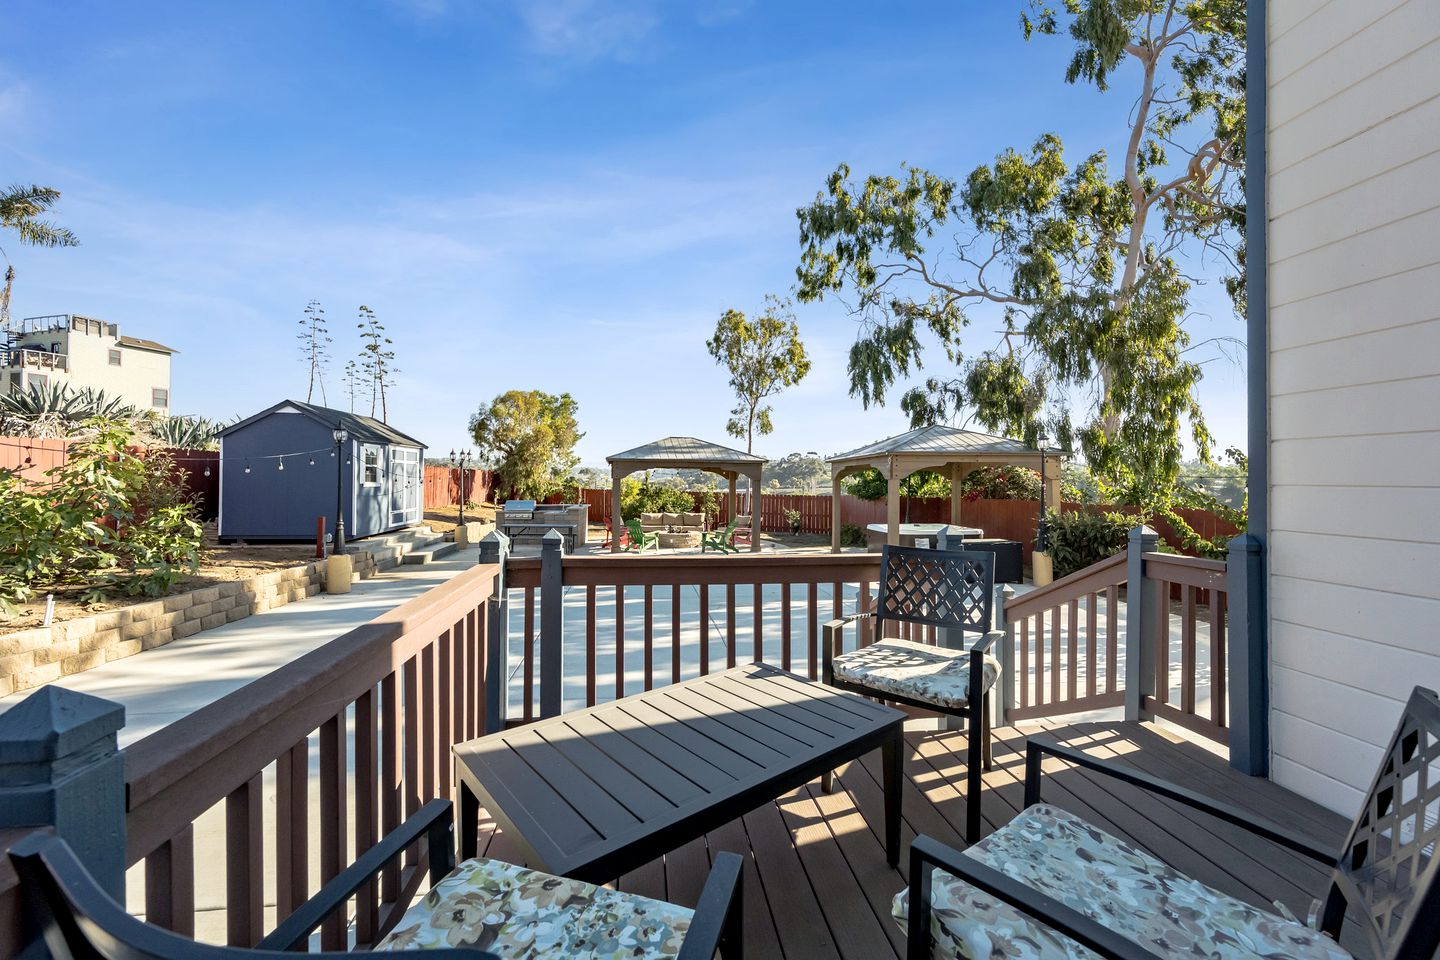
(551,194)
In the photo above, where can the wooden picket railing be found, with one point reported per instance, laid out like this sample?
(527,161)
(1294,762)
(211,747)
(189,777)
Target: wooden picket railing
(1095,640)
(395,694)
(622,595)
(1076,618)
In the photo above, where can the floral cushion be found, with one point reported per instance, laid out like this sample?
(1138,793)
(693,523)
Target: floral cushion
(522,914)
(1111,882)
(919,671)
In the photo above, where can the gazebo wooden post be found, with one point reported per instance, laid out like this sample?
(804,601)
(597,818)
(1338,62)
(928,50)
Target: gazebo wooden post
(957,472)
(731,506)
(835,509)
(616,523)
(755,505)
(892,503)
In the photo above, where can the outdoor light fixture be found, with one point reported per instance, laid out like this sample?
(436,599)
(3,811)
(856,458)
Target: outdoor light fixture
(247,466)
(460,460)
(282,464)
(340,437)
(312,460)
(207,471)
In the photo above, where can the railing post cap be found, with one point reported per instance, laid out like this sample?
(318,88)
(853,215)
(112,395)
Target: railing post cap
(1143,532)
(54,722)
(553,540)
(1245,542)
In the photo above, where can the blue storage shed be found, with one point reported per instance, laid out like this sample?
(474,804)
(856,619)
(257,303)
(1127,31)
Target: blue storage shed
(280,469)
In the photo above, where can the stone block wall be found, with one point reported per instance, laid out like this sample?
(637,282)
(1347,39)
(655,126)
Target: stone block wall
(29,658)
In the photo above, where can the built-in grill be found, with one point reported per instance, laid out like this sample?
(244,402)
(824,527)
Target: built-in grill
(517,511)
(525,523)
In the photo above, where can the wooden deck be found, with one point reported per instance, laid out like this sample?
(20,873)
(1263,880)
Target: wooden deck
(816,883)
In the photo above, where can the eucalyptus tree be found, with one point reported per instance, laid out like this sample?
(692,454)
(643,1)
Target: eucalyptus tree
(21,209)
(1083,264)
(764,356)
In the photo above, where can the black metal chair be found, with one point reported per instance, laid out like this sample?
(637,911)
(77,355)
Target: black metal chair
(78,920)
(1120,902)
(946,589)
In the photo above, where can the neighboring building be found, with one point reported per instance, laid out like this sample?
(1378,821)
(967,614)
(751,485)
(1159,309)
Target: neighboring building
(83,352)
(1351,391)
(378,471)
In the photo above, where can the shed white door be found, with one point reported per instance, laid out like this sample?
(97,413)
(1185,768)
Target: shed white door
(405,486)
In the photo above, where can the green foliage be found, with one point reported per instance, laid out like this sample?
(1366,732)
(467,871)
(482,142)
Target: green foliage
(1081,259)
(188,433)
(763,356)
(872,485)
(530,436)
(1079,538)
(109,518)
(709,504)
(793,519)
(852,535)
(1002,482)
(803,472)
(315,340)
(642,496)
(20,210)
(57,410)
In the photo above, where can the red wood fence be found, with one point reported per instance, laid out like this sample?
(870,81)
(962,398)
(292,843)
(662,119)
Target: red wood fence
(443,486)
(33,459)
(1001,519)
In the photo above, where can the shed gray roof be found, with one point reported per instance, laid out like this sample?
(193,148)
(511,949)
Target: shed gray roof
(365,429)
(685,449)
(938,439)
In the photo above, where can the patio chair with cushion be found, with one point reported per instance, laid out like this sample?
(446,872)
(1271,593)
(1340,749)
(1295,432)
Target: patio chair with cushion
(946,589)
(481,910)
(744,531)
(1050,885)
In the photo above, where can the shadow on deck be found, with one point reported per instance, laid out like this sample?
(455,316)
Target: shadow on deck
(816,883)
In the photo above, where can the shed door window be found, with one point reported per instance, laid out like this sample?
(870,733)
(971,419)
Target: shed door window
(370,466)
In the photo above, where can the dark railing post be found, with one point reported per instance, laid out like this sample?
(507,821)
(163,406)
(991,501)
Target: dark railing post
(949,637)
(1247,655)
(1141,596)
(494,548)
(1005,688)
(552,614)
(61,767)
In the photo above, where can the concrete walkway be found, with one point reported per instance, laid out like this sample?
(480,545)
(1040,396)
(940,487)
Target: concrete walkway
(161,685)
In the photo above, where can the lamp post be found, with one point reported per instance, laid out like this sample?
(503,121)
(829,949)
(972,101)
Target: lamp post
(340,437)
(461,460)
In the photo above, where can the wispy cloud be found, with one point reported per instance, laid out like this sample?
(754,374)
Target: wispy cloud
(589,29)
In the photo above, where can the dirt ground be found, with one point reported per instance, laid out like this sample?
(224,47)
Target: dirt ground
(218,564)
(445,519)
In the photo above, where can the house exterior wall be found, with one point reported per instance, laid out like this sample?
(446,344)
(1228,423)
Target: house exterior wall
(86,346)
(1353,157)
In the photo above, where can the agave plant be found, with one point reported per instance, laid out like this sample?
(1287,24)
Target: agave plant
(190,433)
(55,410)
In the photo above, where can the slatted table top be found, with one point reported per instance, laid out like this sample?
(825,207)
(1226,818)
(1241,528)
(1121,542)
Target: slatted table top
(597,792)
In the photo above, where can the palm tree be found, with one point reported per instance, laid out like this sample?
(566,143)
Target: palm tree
(20,210)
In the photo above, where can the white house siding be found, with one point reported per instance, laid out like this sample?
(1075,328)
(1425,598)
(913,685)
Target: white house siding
(1354,375)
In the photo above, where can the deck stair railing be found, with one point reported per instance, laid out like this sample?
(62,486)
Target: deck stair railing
(1143,629)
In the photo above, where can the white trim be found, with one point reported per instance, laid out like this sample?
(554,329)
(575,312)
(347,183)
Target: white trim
(220,495)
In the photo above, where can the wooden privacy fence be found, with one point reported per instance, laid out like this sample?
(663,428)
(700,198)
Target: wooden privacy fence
(1000,519)
(395,694)
(445,487)
(33,458)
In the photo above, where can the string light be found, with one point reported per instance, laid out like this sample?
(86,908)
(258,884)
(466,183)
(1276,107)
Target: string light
(247,466)
(312,461)
(282,464)
(207,470)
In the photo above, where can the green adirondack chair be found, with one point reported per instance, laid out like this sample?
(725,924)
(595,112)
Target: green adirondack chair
(639,539)
(722,540)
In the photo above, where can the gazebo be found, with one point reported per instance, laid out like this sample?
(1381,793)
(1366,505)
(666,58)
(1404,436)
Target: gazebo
(947,450)
(686,453)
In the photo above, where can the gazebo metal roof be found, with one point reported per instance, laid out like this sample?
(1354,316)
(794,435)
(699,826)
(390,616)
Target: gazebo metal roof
(685,449)
(937,439)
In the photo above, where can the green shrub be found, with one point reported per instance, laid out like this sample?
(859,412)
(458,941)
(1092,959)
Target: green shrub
(637,497)
(793,519)
(709,504)
(1079,538)
(852,536)
(1001,482)
(872,485)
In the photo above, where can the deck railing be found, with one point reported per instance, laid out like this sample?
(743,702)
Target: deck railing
(348,740)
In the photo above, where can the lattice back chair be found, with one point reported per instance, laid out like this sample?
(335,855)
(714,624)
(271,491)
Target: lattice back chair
(948,590)
(1388,869)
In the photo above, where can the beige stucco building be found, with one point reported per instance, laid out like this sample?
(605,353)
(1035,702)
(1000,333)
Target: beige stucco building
(84,352)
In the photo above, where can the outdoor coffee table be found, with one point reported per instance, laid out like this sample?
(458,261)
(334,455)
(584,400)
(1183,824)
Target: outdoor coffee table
(599,792)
